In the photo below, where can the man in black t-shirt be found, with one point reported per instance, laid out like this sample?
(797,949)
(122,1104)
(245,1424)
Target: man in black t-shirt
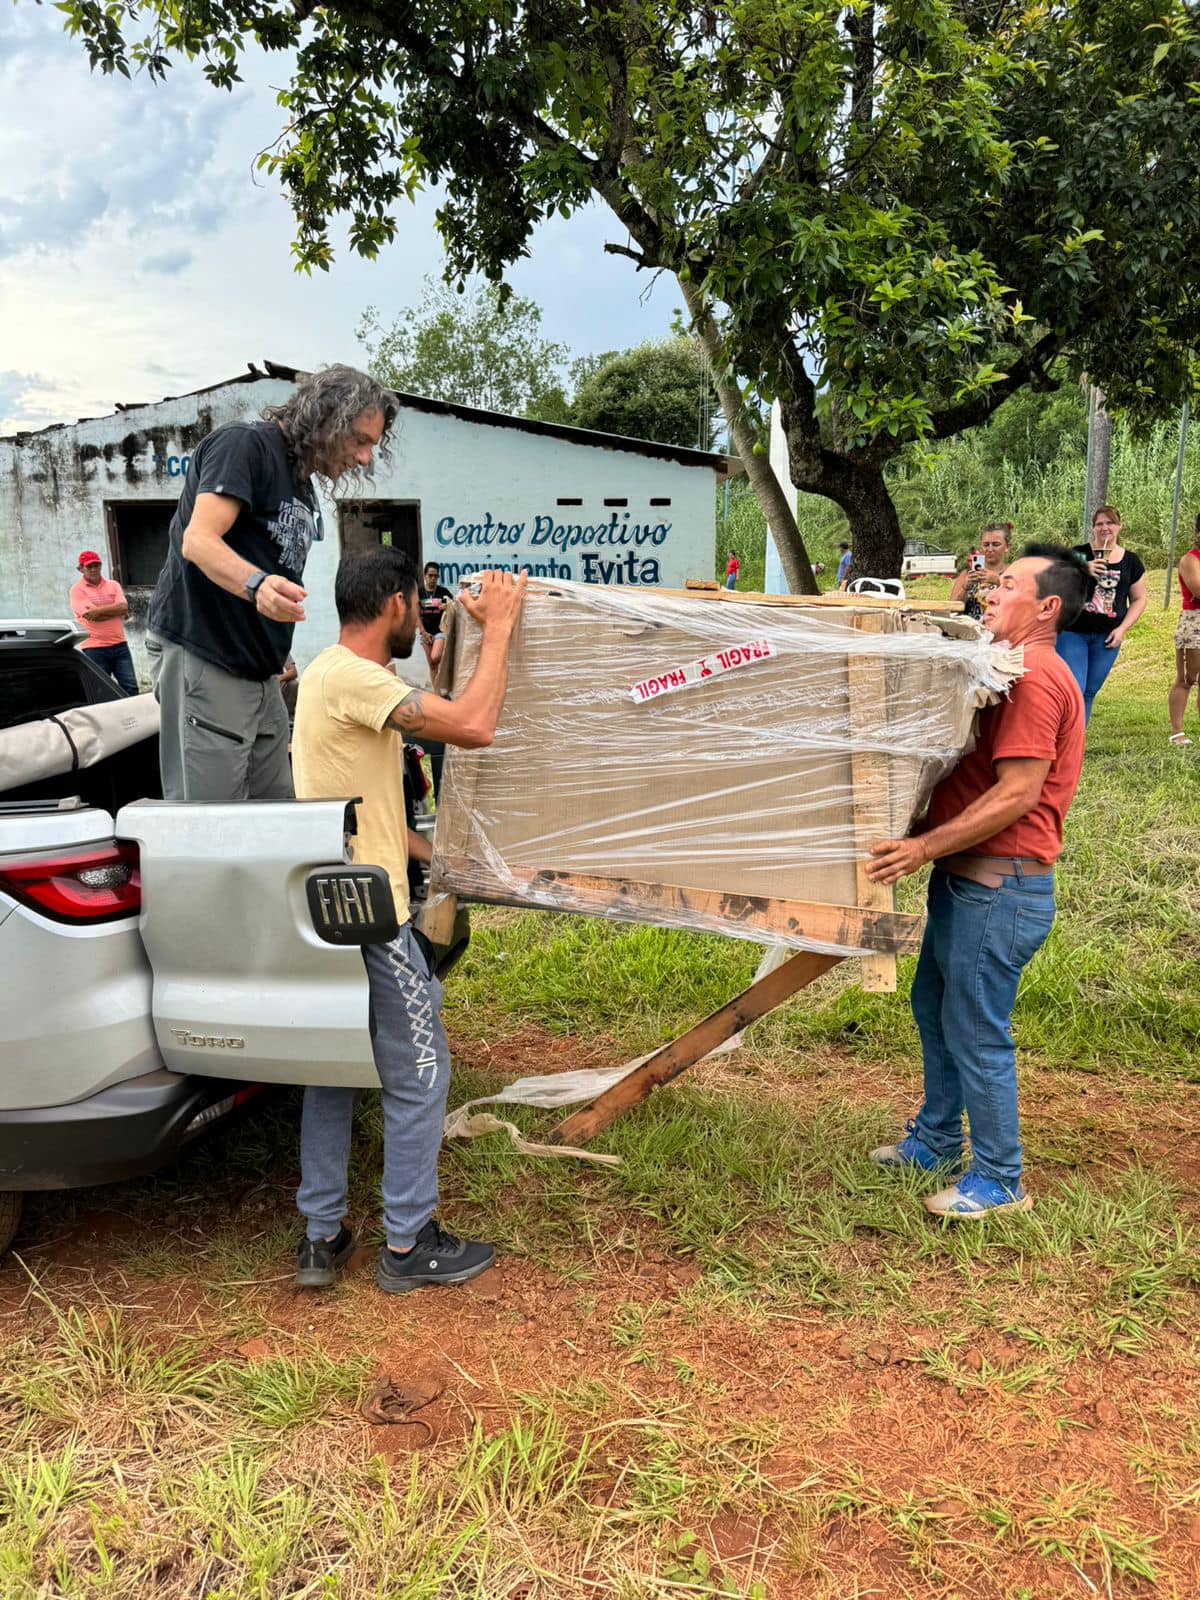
(432,600)
(221,617)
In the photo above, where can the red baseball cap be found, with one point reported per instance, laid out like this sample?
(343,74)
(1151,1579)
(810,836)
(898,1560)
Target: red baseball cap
(88,558)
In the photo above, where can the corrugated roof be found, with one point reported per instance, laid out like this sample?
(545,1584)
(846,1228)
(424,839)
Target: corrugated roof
(422,402)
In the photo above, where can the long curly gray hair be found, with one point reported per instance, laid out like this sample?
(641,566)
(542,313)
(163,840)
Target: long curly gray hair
(319,418)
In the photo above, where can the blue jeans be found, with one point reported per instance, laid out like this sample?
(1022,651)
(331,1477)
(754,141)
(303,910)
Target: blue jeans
(413,1062)
(977,942)
(1090,661)
(118,663)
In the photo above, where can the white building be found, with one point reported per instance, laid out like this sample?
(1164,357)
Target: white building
(464,487)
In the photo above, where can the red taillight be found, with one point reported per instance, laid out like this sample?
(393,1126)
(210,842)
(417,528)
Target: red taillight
(94,885)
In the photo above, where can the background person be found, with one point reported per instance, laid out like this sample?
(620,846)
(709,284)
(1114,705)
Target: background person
(99,604)
(289,681)
(1090,645)
(983,569)
(434,599)
(843,566)
(1187,643)
(229,596)
(732,567)
(993,833)
(352,715)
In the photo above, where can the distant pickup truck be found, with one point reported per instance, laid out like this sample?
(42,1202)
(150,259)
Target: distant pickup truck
(162,962)
(923,560)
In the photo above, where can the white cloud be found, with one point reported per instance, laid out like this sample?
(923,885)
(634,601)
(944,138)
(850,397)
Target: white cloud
(140,254)
(170,262)
(28,395)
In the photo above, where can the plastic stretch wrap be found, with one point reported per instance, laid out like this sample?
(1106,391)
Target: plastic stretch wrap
(709,765)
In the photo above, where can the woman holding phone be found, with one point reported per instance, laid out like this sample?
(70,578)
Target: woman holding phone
(973,585)
(1089,647)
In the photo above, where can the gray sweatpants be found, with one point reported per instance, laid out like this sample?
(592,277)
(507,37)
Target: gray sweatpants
(220,737)
(413,1062)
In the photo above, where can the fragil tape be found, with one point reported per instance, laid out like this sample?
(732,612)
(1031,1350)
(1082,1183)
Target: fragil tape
(738,655)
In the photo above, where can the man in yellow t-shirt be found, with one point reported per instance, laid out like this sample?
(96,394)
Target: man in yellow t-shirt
(351,714)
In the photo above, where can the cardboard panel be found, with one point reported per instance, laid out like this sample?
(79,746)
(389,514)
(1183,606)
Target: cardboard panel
(739,780)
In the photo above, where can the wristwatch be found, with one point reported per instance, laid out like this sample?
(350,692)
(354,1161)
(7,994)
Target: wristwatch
(253,583)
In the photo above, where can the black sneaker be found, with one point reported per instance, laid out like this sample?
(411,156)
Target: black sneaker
(318,1260)
(437,1257)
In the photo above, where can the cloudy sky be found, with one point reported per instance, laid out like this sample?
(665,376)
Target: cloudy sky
(141,256)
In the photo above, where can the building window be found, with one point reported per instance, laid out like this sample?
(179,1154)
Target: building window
(395,524)
(565,500)
(658,500)
(137,540)
(620,500)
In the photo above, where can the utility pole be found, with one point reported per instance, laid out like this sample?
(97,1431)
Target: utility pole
(1183,427)
(1099,452)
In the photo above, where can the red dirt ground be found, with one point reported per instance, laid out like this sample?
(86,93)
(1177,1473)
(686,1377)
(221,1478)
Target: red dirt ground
(830,1396)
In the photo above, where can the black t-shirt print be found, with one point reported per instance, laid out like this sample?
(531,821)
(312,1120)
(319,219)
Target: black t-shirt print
(432,607)
(278,521)
(1107,608)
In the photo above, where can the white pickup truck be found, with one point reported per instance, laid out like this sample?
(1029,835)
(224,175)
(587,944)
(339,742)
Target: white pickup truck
(922,559)
(161,962)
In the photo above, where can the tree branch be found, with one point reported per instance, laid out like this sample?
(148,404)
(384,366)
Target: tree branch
(634,255)
(777,505)
(1032,365)
(769,162)
(861,29)
(1029,368)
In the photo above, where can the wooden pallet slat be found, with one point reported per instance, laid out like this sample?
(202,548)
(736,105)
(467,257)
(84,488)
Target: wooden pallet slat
(841,927)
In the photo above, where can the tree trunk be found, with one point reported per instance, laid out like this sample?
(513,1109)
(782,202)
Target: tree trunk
(860,27)
(774,503)
(876,542)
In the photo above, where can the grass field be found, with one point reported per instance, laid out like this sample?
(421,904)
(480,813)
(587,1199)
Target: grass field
(741,1363)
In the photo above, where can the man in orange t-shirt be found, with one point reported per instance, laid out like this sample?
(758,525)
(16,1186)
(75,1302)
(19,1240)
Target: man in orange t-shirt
(993,833)
(100,604)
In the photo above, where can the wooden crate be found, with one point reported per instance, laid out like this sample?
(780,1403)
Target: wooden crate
(742,803)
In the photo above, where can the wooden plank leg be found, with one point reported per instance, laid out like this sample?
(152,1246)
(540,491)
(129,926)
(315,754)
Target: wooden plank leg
(672,1059)
(436,918)
(871,808)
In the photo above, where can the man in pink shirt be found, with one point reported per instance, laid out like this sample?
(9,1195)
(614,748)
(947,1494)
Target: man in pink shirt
(100,604)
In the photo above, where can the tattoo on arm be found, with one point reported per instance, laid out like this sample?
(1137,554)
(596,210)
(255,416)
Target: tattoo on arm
(409,715)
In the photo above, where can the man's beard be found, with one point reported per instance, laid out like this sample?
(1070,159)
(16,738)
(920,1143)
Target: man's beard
(400,645)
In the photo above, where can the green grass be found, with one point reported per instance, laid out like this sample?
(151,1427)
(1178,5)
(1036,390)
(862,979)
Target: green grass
(1117,984)
(139,1454)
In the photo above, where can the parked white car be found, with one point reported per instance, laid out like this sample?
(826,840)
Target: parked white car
(922,559)
(162,962)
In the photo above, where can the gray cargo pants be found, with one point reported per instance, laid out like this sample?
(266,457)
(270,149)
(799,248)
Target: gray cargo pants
(413,1062)
(220,737)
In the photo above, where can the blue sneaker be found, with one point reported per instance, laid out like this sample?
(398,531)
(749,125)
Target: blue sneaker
(910,1152)
(976,1196)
